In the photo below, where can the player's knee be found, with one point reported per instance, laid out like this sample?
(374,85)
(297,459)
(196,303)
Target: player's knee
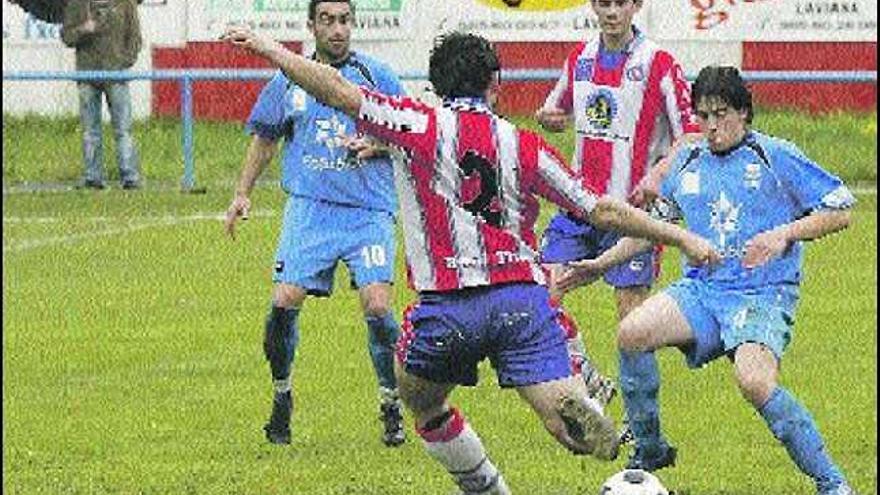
(377,307)
(288,296)
(630,337)
(755,387)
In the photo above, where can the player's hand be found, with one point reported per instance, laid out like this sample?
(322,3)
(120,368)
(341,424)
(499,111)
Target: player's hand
(239,207)
(577,274)
(244,37)
(648,189)
(364,147)
(763,248)
(699,251)
(552,119)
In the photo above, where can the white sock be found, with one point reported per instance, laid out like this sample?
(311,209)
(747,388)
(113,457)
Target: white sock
(282,386)
(458,448)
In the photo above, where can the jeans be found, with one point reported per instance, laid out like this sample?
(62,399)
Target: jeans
(119,101)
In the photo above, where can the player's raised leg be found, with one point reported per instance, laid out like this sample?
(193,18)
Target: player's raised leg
(574,419)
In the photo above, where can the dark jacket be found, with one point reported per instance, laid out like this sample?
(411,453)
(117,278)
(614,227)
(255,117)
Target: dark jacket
(117,38)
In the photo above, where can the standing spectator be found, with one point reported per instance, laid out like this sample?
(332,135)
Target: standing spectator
(107,36)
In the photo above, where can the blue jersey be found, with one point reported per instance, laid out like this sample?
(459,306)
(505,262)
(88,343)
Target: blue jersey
(758,185)
(315,164)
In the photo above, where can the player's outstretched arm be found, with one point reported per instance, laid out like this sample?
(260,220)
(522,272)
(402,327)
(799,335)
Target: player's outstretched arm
(768,245)
(258,156)
(612,214)
(584,272)
(321,81)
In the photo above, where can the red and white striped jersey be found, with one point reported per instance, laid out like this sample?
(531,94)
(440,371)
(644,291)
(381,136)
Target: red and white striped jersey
(625,117)
(468,190)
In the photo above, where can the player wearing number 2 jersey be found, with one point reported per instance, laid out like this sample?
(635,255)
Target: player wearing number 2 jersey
(468,190)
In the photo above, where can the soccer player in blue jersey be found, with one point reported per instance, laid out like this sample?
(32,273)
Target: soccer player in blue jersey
(341,208)
(757,198)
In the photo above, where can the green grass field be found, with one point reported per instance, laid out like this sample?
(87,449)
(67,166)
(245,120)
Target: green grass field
(132,357)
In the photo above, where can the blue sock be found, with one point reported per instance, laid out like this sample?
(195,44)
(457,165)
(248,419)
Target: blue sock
(639,383)
(792,425)
(279,344)
(383,333)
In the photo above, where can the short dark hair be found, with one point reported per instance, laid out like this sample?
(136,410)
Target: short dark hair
(313,6)
(726,84)
(462,64)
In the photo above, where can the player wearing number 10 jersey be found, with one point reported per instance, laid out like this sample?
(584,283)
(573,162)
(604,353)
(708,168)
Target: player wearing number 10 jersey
(468,191)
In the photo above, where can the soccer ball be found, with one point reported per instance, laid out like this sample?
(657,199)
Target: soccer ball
(633,482)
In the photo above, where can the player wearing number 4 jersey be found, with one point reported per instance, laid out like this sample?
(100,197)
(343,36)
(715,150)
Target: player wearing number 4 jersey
(468,193)
(341,208)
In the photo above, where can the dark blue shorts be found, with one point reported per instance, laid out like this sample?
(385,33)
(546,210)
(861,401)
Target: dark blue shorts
(568,239)
(446,335)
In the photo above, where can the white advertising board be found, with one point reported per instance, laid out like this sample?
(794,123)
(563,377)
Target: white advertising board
(286,19)
(764,20)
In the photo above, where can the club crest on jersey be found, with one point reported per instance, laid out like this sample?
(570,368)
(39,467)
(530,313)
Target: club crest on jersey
(690,183)
(636,74)
(583,69)
(752,176)
(298,100)
(601,109)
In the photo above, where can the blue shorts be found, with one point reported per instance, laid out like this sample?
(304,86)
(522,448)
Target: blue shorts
(723,319)
(446,335)
(569,239)
(316,235)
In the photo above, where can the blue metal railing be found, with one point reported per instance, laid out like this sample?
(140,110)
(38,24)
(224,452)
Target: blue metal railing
(188,76)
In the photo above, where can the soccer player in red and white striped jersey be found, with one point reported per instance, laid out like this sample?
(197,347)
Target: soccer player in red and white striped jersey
(468,190)
(629,101)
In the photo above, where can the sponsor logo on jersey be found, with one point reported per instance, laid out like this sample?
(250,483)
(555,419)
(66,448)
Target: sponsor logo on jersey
(601,109)
(279,266)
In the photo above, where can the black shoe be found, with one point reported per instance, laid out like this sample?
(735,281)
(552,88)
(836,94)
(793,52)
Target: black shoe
(130,185)
(625,434)
(278,428)
(650,464)
(392,419)
(92,184)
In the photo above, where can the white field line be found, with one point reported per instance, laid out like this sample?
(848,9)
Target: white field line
(134,225)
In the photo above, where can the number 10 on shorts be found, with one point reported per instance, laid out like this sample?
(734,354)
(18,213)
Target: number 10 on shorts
(373,255)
